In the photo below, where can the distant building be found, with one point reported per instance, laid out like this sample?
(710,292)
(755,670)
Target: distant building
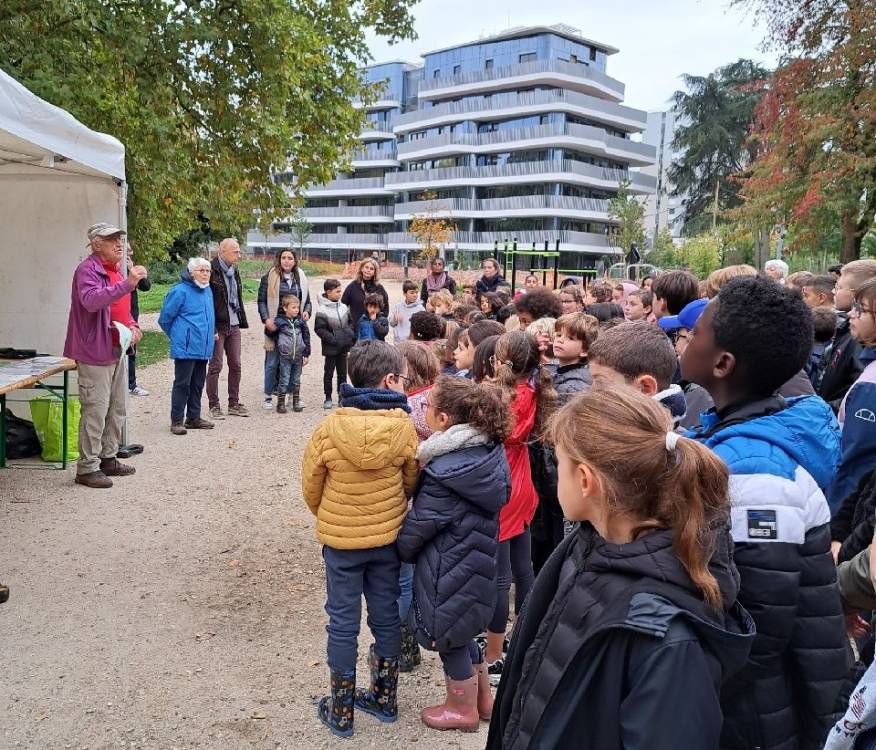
(520,135)
(662,209)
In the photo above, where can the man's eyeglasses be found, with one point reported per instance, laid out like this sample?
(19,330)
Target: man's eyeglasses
(402,377)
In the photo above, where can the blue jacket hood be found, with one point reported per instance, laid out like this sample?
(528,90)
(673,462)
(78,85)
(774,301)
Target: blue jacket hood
(805,433)
(471,473)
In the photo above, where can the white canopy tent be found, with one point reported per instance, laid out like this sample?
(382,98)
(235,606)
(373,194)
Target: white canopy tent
(57,178)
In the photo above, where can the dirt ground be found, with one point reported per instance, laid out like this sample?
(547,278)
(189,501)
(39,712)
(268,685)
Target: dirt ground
(183,608)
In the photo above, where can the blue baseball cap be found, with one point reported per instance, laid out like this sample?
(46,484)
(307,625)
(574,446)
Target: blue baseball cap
(687,318)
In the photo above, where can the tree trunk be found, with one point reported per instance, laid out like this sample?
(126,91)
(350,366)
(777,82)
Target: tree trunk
(851,248)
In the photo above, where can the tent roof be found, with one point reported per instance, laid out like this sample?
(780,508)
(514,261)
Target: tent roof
(34,134)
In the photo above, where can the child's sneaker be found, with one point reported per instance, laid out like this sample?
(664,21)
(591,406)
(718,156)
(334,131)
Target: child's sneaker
(494,670)
(269,404)
(327,404)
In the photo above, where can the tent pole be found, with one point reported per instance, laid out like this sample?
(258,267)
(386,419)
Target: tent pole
(123,224)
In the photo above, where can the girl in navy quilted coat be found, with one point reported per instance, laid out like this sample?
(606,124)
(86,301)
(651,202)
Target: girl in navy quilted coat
(451,533)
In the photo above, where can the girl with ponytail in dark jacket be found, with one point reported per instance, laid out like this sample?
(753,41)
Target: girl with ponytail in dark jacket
(633,624)
(450,533)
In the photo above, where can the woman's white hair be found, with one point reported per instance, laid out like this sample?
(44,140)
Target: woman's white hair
(777,264)
(197,263)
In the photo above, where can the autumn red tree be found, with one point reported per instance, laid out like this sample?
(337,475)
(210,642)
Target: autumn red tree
(815,129)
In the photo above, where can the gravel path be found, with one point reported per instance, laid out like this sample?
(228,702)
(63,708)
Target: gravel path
(183,608)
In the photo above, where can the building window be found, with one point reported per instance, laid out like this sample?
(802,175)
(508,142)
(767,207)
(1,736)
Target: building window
(592,54)
(457,69)
(526,57)
(436,73)
(573,58)
(488,64)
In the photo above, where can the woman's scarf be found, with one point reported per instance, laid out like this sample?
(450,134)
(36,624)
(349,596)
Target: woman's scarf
(435,283)
(454,438)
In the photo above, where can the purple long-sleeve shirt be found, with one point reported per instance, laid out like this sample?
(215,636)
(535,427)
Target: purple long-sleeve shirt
(89,332)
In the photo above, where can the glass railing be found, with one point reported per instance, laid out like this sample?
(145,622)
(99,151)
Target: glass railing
(451,111)
(525,69)
(498,205)
(535,132)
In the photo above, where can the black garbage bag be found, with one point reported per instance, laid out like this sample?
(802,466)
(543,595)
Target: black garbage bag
(21,437)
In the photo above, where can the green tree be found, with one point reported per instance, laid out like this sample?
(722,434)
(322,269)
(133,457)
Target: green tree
(430,231)
(300,229)
(210,97)
(629,214)
(663,252)
(716,113)
(815,130)
(702,254)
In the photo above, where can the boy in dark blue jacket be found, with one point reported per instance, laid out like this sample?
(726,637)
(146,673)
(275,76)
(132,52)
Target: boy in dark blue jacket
(782,454)
(373,325)
(293,342)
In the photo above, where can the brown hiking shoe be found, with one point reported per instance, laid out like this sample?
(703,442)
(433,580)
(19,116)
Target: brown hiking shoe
(177,428)
(94,479)
(198,423)
(112,467)
(216,412)
(237,410)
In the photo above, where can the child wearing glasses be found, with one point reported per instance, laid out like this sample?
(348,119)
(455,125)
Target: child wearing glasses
(451,535)
(857,412)
(357,474)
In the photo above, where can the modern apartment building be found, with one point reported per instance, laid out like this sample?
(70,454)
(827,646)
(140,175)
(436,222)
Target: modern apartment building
(663,209)
(521,135)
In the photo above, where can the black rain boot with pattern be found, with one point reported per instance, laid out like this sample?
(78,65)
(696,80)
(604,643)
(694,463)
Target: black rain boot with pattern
(296,401)
(336,710)
(281,404)
(410,651)
(381,699)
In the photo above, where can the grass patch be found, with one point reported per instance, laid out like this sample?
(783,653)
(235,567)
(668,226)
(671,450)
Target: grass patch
(153,347)
(151,301)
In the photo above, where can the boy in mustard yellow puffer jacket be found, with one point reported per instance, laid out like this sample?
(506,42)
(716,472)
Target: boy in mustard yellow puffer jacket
(357,474)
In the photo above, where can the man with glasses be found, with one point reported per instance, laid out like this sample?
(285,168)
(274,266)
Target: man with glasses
(841,363)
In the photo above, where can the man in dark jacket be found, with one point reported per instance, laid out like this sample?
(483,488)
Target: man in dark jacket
(230,319)
(781,456)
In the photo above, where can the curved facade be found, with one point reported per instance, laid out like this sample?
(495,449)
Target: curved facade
(519,136)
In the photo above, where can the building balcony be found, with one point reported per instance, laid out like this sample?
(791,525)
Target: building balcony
(564,75)
(377,134)
(377,106)
(585,242)
(339,240)
(565,206)
(384,154)
(512,104)
(348,215)
(578,137)
(352,186)
(566,171)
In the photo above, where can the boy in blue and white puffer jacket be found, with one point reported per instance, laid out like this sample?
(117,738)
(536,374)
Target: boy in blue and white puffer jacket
(781,454)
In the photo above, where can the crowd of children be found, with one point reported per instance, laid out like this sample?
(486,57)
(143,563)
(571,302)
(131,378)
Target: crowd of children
(663,472)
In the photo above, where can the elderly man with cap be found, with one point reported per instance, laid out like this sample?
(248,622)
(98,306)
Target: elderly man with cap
(230,319)
(99,331)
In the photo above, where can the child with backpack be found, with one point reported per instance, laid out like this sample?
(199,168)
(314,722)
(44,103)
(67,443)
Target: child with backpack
(357,473)
(292,339)
(451,535)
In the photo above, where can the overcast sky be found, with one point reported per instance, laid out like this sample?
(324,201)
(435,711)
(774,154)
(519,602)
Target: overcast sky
(658,39)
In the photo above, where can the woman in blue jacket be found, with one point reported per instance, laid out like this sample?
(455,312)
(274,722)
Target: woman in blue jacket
(188,319)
